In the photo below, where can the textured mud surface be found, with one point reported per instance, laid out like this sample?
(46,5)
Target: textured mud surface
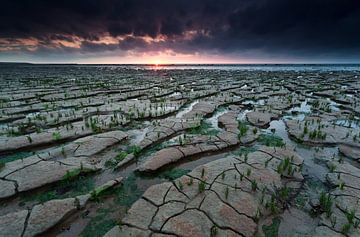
(122,152)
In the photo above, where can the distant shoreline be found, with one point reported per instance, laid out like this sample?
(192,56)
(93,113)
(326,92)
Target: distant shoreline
(189,64)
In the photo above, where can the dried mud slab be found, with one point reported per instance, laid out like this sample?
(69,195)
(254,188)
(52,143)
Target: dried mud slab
(229,195)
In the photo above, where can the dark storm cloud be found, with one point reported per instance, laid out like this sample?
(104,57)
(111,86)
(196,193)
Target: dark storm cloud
(306,27)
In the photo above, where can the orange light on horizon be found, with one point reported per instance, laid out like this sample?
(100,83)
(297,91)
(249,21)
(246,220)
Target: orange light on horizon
(156,62)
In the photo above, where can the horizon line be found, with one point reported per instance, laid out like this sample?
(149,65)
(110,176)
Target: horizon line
(184,64)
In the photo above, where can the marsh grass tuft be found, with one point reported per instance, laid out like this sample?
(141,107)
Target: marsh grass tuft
(100,224)
(271,140)
(113,162)
(202,186)
(64,189)
(173,174)
(273,229)
(204,128)
(326,203)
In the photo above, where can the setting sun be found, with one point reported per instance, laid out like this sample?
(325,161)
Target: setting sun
(156,62)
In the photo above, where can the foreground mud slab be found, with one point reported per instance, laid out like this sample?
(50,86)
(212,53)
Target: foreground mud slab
(227,197)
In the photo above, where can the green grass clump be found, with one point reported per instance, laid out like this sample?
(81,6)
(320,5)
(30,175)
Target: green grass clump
(243,151)
(64,189)
(128,193)
(56,136)
(271,140)
(202,186)
(72,174)
(242,128)
(113,162)
(135,150)
(15,156)
(204,128)
(273,229)
(100,224)
(326,203)
(173,174)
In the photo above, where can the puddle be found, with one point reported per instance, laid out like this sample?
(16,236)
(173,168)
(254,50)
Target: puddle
(181,113)
(138,135)
(303,108)
(242,115)
(213,120)
(312,167)
(333,105)
(175,94)
(348,123)
(254,102)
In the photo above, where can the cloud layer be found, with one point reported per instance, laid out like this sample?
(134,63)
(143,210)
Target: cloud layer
(328,29)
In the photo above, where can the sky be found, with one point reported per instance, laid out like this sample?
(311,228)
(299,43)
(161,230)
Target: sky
(180,31)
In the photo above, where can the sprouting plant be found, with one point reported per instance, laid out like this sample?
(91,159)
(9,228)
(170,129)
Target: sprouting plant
(350,215)
(284,193)
(267,163)
(63,151)
(248,172)
(241,176)
(332,167)
(341,185)
(253,185)
(272,205)
(94,196)
(56,136)
(190,182)
(345,229)
(333,221)
(306,130)
(226,192)
(223,175)
(242,129)
(180,185)
(326,203)
(29,139)
(202,173)
(180,141)
(202,185)
(213,231)
(135,150)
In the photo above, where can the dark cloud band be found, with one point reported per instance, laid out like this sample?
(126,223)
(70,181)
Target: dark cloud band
(302,27)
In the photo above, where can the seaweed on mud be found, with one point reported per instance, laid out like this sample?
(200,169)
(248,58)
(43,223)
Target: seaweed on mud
(272,229)
(135,150)
(243,151)
(326,203)
(65,189)
(204,128)
(128,192)
(271,140)
(202,186)
(100,224)
(243,128)
(113,162)
(352,221)
(300,200)
(56,136)
(173,174)
(16,156)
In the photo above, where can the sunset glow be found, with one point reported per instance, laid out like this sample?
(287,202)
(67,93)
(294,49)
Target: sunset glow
(180,31)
